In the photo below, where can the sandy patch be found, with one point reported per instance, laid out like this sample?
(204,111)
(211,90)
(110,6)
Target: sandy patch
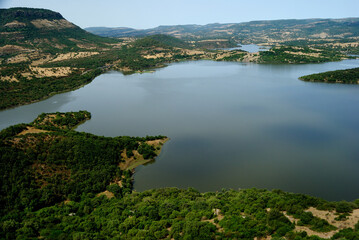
(51,72)
(251,57)
(173,32)
(42,60)
(158,55)
(58,24)
(219,217)
(304,54)
(214,40)
(157,142)
(130,163)
(320,35)
(351,44)
(230,32)
(330,217)
(18,58)
(117,45)
(11,49)
(193,52)
(9,79)
(32,130)
(73,55)
(87,45)
(15,24)
(106,193)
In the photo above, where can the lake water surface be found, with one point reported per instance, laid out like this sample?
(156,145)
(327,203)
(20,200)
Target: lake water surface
(252,48)
(231,125)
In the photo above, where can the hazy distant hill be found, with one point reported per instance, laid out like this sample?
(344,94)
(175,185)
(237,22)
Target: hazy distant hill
(255,31)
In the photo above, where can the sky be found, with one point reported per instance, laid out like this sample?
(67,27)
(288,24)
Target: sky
(142,14)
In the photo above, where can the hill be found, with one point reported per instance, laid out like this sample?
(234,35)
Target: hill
(161,40)
(35,29)
(338,34)
(254,32)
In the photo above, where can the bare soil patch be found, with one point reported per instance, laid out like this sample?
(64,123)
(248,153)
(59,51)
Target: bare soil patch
(107,193)
(32,130)
(130,163)
(9,79)
(73,55)
(50,72)
(58,24)
(8,49)
(18,58)
(330,217)
(15,24)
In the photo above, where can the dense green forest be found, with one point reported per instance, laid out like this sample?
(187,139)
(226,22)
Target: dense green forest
(57,183)
(338,76)
(172,213)
(26,91)
(47,162)
(290,54)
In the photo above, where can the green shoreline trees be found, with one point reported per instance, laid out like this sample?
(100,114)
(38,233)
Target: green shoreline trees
(52,177)
(350,76)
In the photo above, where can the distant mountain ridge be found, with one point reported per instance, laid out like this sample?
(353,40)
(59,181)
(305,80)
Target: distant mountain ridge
(257,31)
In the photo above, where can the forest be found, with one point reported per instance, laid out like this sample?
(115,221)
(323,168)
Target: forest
(61,184)
(46,162)
(339,76)
(292,54)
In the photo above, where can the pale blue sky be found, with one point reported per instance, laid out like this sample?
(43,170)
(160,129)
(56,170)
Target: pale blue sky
(152,13)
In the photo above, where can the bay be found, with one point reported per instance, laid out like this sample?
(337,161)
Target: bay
(232,125)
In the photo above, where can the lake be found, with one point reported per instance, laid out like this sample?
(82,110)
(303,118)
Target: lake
(252,48)
(232,125)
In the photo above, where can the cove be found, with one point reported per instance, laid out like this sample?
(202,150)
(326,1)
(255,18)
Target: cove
(231,125)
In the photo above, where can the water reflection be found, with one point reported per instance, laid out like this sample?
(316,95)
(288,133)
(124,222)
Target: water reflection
(231,125)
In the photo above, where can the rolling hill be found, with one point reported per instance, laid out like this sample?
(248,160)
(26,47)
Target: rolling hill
(249,32)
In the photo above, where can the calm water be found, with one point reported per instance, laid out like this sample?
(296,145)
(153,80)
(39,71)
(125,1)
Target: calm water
(231,125)
(252,48)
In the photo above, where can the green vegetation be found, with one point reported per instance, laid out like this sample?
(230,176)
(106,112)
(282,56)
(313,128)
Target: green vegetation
(237,55)
(26,91)
(339,76)
(289,54)
(251,32)
(61,184)
(161,40)
(46,162)
(67,36)
(174,213)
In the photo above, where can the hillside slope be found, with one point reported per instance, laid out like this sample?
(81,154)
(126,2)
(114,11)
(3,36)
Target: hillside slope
(34,29)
